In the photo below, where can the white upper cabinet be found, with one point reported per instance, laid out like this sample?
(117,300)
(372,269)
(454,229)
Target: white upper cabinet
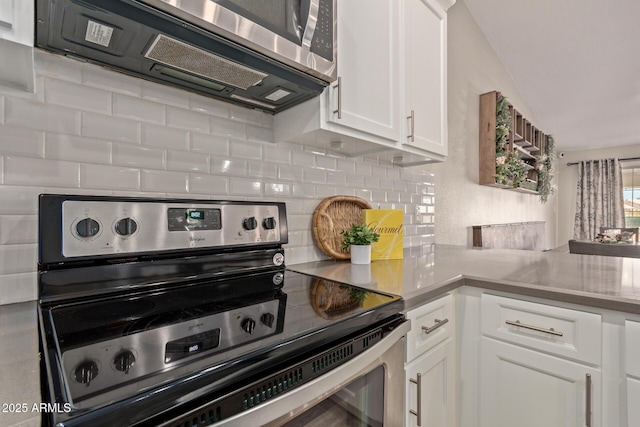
(425,75)
(366,96)
(391,61)
(16,43)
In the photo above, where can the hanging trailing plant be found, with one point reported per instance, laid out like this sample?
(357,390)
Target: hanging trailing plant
(545,170)
(510,169)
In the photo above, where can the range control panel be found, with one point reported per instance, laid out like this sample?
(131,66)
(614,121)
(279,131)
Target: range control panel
(108,227)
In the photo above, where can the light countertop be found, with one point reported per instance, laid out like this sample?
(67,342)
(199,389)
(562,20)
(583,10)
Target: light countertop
(424,274)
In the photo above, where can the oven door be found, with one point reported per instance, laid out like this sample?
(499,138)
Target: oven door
(366,391)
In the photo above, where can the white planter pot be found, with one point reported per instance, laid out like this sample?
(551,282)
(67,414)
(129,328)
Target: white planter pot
(360,254)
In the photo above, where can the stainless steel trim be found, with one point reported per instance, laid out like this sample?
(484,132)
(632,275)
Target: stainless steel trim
(312,20)
(338,86)
(550,331)
(417,412)
(212,17)
(388,353)
(412,119)
(438,324)
(588,401)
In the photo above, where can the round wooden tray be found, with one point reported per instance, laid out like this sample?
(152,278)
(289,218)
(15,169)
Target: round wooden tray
(332,301)
(333,215)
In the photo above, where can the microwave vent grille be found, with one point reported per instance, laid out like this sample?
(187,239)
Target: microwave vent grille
(185,57)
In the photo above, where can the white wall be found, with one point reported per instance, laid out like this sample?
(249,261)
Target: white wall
(93,131)
(568,180)
(474,68)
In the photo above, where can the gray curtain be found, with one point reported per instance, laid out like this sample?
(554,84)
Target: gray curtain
(599,200)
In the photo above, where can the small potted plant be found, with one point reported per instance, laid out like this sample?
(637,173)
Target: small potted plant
(358,239)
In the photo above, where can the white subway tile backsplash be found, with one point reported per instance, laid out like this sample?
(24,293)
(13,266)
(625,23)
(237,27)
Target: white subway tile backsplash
(208,184)
(325,162)
(18,258)
(262,170)
(300,190)
(245,187)
(108,80)
(18,229)
(32,171)
(76,148)
(226,127)
(24,142)
(138,109)
(187,119)
(245,149)
(157,141)
(135,156)
(73,95)
(32,115)
(187,161)
(163,94)
(163,137)
(209,105)
(110,128)
(304,159)
(316,176)
(109,177)
(243,114)
(164,181)
(336,178)
(19,200)
(237,167)
(259,134)
(209,144)
(290,172)
(57,66)
(277,155)
(18,287)
(273,189)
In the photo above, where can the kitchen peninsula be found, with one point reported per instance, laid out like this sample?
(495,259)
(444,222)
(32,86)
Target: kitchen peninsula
(598,284)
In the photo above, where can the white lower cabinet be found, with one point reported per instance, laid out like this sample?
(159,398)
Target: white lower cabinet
(431,368)
(431,388)
(525,388)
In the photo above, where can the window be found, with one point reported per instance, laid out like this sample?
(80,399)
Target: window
(631,194)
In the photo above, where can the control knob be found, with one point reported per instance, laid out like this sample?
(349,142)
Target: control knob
(126,226)
(267,319)
(123,361)
(87,227)
(269,223)
(250,223)
(85,372)
(248,325)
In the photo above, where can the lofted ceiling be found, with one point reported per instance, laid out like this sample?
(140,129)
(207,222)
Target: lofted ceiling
(575,62)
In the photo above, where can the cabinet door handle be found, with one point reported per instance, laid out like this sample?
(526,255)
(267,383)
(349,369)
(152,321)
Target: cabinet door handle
(550,331)
(339,109)
(412,121)
(434,327)
(417,412)
(588,401)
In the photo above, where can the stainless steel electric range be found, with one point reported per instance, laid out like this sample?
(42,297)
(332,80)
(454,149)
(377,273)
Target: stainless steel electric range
(181,313)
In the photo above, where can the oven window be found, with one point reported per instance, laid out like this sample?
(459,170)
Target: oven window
(361,404)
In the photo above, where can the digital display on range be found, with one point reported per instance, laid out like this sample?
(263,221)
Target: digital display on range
(190,219)
(195,215)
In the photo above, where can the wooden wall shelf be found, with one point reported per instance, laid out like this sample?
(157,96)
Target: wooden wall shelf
(524,140)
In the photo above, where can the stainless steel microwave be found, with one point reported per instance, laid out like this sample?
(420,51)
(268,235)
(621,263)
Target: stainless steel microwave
(269,54)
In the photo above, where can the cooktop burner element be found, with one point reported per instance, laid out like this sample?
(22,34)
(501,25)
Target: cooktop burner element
(149,307)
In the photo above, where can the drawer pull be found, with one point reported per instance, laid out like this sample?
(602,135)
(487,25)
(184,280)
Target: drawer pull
(418,383)
(434,327)
(588,401)
(550,331)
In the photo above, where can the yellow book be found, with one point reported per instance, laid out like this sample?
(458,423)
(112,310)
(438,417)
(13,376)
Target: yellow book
(389,223)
